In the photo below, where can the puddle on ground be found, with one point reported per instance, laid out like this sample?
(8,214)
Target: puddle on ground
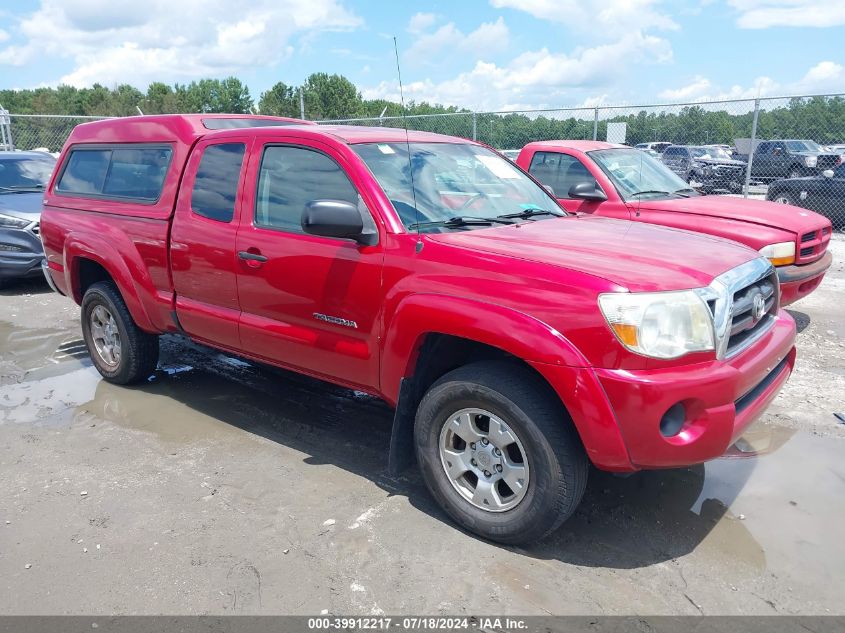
(774,503)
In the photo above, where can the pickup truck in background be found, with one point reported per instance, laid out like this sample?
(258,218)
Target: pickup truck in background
(773,160)
(617,181)
(517,343)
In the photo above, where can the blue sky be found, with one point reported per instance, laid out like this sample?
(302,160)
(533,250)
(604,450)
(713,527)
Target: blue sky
(481,54)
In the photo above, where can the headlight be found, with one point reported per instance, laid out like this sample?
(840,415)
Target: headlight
(779,254)
(659,324)
(810,161)
(13,223)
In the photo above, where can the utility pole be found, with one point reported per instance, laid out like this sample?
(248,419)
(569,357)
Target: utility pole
(301,104)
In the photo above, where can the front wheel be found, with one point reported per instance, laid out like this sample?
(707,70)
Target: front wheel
(784,197)
(796,172)
(499,453)
(122,352)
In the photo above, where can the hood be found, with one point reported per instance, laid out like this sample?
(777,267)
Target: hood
(813,153)
(22,205)
(638,256)
(762,212)
(720,161)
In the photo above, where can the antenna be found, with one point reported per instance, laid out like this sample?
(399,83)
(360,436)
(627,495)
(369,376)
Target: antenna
(407,144)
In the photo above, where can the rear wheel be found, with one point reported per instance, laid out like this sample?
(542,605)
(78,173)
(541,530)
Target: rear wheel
(499,453)
(122,352)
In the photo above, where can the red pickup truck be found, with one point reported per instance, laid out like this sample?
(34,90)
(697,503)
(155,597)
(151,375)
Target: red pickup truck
(618,181)
(517,343)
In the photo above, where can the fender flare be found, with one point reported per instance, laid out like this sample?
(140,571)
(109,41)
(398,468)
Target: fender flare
(515,332)
(104,253)
(419,315)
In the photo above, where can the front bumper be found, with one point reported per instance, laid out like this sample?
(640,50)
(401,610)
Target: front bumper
(21,253)
(618,412)
(797,282)
(721,399)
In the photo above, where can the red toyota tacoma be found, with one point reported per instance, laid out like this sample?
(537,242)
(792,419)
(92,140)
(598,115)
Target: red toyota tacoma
(618,181)
(518,344)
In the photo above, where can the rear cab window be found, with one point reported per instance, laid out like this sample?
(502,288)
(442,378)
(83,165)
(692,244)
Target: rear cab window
(133,173)
(216,184)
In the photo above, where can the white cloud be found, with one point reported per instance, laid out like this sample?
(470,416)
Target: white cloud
(762,14)
(535,77)
(488,38)
(125,41)
(698,86)
(4,35)
(420,22)
(824,78)
(601,18)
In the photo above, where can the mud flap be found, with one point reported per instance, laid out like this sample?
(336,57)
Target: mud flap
(402,434)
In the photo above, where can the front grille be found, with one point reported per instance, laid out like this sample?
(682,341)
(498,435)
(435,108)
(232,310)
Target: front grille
(813,244)
(745,326)
(827,162)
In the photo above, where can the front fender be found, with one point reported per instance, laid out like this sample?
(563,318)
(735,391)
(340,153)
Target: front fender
(128,280)
(517,333)
(541,346)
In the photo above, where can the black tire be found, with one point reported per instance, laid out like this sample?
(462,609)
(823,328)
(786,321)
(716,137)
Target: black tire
(795,172)
(139,349)
(558,462)
(783,197)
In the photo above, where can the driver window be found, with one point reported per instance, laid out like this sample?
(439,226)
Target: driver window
(559,171)
(291,177)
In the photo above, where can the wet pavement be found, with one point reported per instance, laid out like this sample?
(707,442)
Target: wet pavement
(221,486)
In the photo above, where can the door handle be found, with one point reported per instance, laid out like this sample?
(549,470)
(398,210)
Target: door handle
(252,257)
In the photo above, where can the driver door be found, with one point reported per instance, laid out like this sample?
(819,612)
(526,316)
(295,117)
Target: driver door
(307,302)
(561,171)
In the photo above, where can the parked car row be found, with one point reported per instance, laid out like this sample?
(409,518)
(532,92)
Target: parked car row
(621,182)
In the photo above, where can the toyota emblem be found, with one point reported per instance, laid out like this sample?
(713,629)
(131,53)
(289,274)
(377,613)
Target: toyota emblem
(758,307)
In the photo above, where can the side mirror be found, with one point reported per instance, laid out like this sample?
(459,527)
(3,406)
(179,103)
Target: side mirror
(827,173)
(336,218)
(587,190)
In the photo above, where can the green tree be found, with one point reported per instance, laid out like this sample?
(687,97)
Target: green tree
(280,100)
(331,97)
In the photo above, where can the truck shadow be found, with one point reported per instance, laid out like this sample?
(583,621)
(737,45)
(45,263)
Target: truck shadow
(623,523)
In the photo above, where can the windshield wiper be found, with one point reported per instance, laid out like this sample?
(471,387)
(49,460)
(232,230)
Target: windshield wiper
(649,191)
(459,221)
(680,192)
(530,213)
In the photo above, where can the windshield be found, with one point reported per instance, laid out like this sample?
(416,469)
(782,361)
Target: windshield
(636,174)
(710,153)
(450,180)
(25,172)
(803,146)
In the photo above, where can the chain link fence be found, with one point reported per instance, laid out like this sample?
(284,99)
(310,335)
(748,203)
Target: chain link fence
(43,131)
(787,149)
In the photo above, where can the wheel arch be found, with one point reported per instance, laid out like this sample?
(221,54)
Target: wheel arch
(431,335)
(90,261)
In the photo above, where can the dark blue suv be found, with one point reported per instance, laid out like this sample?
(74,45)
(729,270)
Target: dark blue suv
(23,177)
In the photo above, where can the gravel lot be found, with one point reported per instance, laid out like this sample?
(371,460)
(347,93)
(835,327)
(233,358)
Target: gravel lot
(225,487)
